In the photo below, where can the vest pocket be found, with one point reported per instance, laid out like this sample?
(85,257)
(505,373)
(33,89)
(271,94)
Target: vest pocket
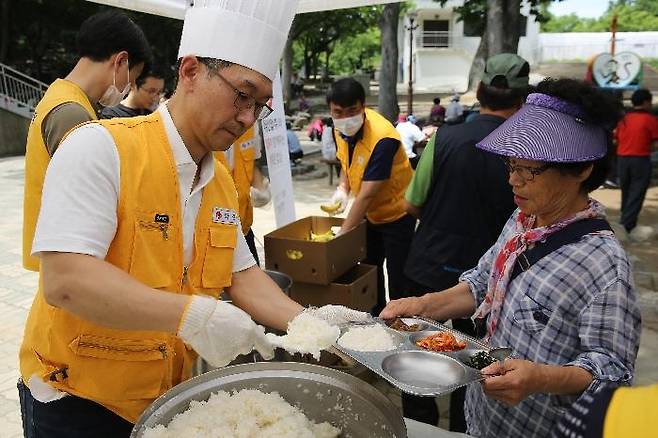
(118,369)
(218,261)
(154,251)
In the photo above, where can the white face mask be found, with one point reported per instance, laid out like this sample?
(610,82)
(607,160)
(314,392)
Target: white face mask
(349,125)
(112,96)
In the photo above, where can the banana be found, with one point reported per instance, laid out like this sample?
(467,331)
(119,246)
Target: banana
(324,237)
(294,254)
(330,208)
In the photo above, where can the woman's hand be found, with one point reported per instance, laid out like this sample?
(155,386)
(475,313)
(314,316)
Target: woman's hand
(513,381)
(411,306)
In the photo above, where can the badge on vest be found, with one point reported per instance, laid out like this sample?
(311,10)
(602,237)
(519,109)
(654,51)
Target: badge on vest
(161,218)
(225,216)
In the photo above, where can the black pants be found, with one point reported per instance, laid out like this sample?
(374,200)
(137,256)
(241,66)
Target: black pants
(69,417)
(424,409)
(390,242)
(251,243)
(634,179)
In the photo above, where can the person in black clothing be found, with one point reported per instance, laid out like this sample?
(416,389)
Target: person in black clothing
(461,196)
(143,98)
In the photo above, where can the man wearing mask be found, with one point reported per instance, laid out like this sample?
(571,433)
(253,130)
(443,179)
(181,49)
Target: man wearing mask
(375,169)
(139,233)
(462,198)
(143,99)
(113,51)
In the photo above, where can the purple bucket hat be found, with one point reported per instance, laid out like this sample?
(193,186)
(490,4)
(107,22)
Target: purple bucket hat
(548,129)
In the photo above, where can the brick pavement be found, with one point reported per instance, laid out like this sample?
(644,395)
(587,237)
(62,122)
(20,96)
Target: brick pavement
(17,286)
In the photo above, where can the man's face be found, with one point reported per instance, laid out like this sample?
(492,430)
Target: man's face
(216,101)
(342,112)
(148,94)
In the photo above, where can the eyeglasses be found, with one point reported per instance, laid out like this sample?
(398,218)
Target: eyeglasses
(243,101)
(528,173)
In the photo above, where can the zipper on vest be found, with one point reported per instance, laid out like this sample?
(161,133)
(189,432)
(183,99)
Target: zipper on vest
(162,348)
(184,279)
(164,228)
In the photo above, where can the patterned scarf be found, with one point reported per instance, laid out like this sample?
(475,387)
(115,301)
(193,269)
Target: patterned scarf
(506,258)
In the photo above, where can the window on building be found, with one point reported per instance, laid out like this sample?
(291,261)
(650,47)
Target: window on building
(436,33)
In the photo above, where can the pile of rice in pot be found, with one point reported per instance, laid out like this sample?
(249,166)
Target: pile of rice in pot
(248,413)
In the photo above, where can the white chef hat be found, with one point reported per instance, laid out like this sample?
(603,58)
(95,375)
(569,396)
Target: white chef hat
(251,33)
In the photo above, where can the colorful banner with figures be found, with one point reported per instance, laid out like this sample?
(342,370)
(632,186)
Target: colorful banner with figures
(617,71)
(278,161)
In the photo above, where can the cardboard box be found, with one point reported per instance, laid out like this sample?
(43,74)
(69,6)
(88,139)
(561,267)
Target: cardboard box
(356,289)
(290,250)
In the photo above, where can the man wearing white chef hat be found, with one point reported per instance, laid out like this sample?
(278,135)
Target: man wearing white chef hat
(138,233)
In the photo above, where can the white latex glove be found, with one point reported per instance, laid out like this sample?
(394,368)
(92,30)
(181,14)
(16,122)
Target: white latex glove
(261,197)
(341,197)
(219,331)
(337,315)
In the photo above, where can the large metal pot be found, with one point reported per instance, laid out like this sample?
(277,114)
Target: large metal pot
(357,408)
(282,280)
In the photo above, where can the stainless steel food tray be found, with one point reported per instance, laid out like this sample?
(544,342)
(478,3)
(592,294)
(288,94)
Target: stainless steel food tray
(415,370)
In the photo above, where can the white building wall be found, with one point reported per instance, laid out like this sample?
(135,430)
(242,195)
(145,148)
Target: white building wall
(583,45)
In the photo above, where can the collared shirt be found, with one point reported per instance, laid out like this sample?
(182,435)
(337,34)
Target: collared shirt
(81,192)
(574,307)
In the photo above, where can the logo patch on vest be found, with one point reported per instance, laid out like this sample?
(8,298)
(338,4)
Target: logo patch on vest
(161,218)
(226,216)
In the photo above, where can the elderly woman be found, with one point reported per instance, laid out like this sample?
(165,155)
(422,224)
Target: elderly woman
(556,286)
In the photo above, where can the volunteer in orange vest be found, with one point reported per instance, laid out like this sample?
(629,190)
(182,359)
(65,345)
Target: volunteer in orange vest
(139,232)
(375,169)
(113,51)
(240,160)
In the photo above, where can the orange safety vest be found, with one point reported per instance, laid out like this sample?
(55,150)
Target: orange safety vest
(388,205)
(37,158)
(126,370)
(244,153)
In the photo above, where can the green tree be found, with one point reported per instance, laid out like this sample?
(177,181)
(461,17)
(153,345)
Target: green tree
(499,23)
(632,16)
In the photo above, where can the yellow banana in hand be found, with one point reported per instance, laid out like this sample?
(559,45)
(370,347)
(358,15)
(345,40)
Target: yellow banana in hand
(330,208)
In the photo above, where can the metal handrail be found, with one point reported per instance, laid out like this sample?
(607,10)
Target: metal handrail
(19,92)
(438,39)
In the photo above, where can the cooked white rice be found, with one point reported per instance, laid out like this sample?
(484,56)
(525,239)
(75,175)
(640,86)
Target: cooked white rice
(367,338)
(307,334)
(248,413)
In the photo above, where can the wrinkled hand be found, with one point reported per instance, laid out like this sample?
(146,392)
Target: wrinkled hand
(337,315)
(260,197)
(219,331)
(513,381)
(412,306)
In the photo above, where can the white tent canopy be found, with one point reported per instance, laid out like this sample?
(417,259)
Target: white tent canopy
(176,8)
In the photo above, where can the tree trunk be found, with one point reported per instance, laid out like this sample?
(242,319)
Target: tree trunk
(513,25)
(388,75)
(477,67)
(495,26)
(503,26)
(287,69)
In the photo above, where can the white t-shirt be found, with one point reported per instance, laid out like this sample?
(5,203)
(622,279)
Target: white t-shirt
(81,193)
(328,143)
(410,134)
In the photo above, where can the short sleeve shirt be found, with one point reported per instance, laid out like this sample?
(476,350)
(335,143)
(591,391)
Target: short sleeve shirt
(635,133)
(81,192)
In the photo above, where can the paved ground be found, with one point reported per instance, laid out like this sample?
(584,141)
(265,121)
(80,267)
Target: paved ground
(17,286)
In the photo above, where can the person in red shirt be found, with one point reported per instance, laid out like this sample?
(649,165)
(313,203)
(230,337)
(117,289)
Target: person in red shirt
(637,134)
